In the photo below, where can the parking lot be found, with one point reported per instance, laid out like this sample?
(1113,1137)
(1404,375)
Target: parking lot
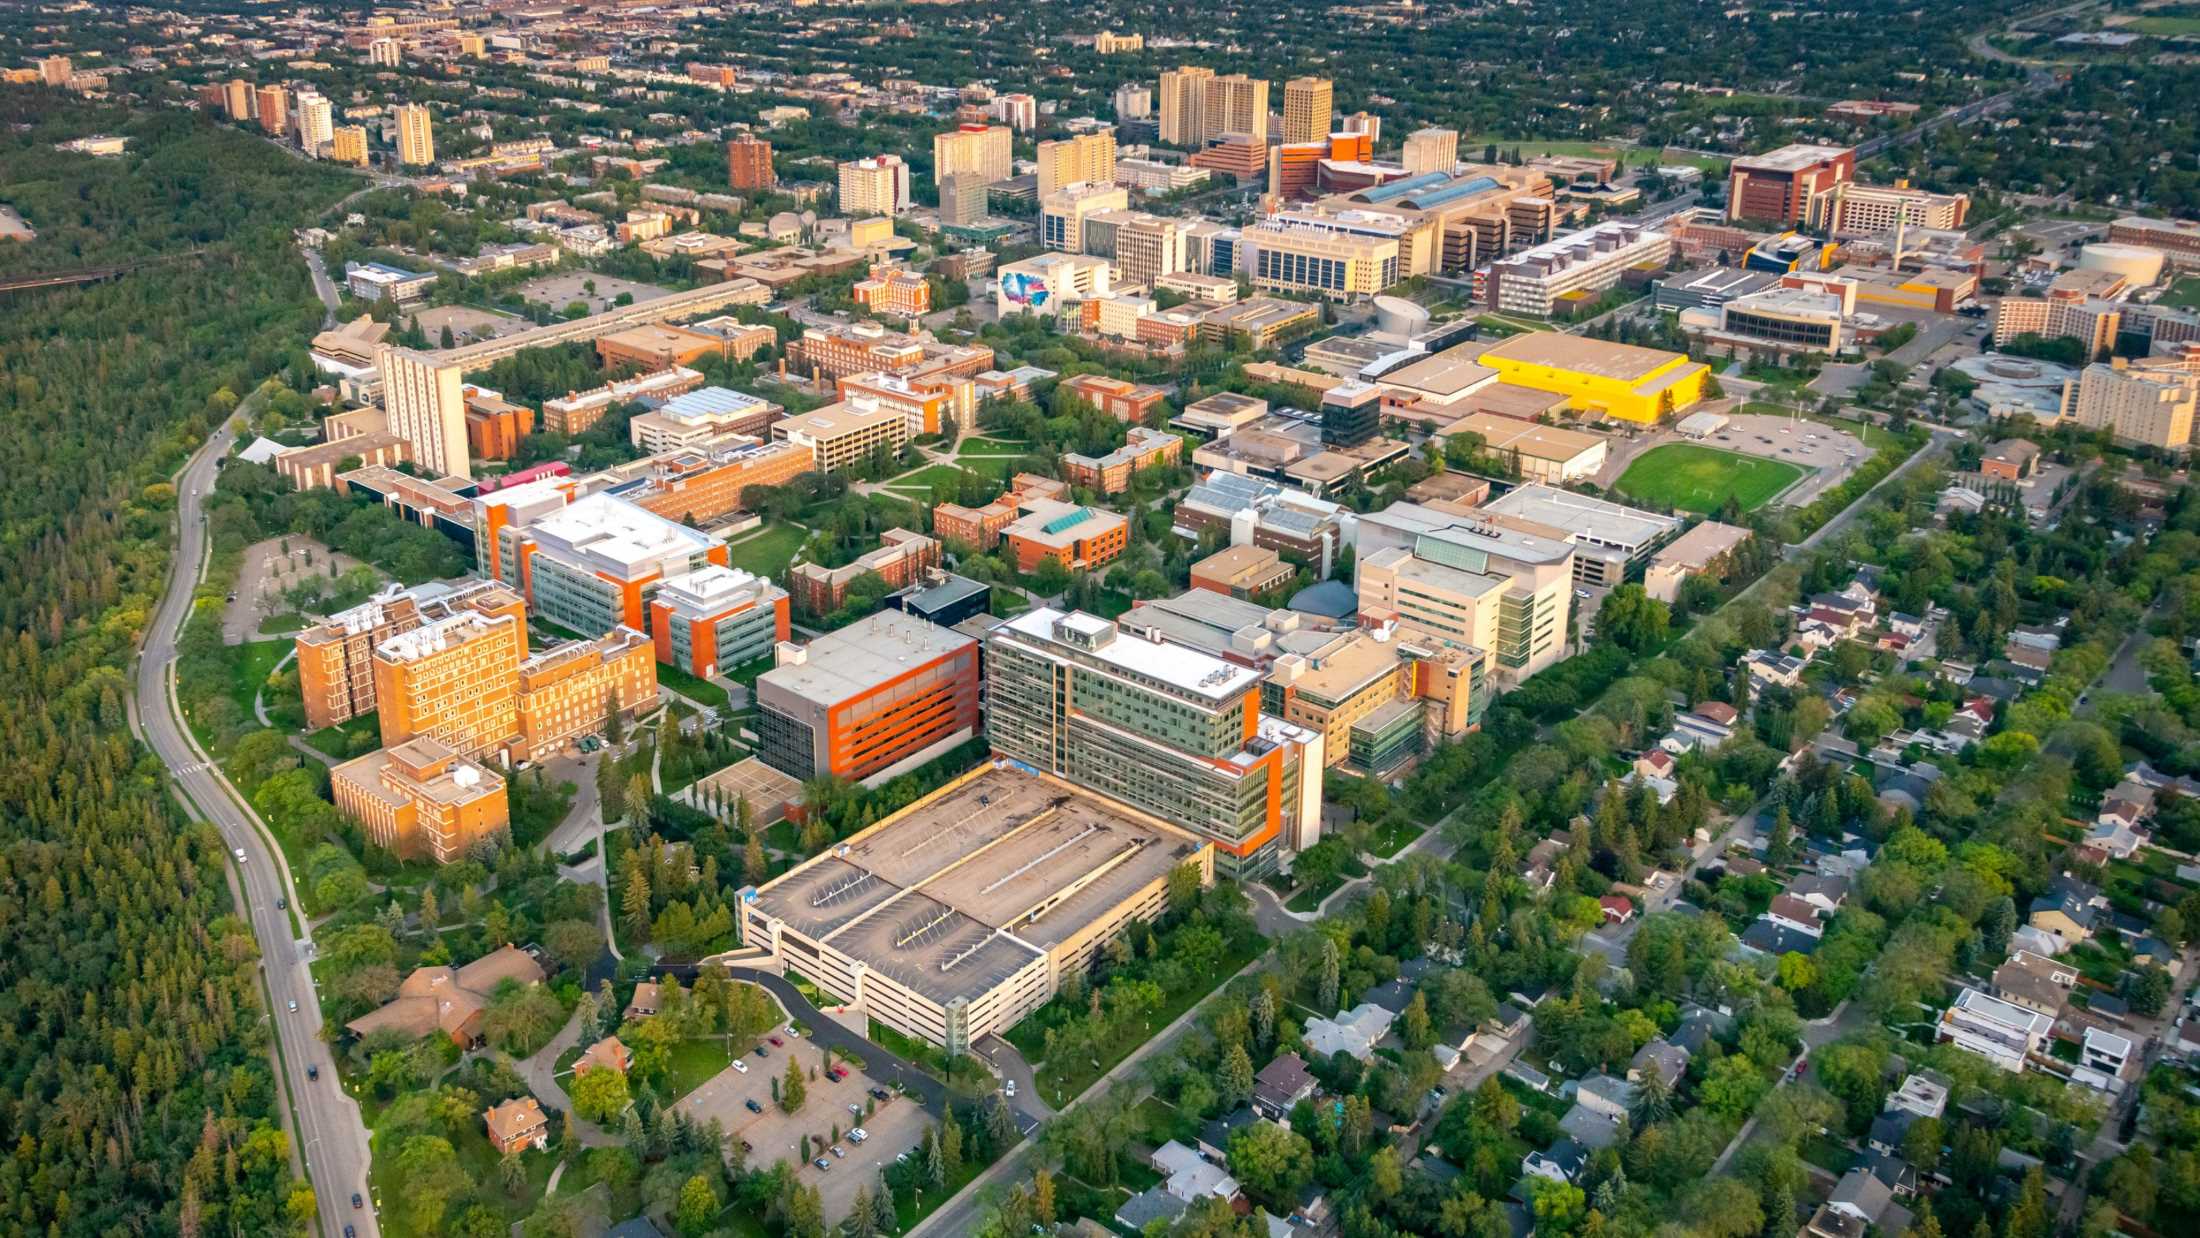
(1831,452)
(891,1126)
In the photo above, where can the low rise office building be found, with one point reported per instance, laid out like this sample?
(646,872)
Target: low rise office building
(867,702)
(420,800)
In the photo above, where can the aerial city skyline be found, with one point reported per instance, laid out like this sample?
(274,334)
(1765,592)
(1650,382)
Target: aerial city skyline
(801,619)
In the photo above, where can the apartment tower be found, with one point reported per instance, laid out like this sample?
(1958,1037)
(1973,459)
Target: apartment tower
(1306,109)
(749,164)
(1085,159)
(415,135)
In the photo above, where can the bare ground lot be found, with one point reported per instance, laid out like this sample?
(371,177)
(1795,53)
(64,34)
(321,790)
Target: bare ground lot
(561,290)
(270,569)
(468,325)
(893,1126)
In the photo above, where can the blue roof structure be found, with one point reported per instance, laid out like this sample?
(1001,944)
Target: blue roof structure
(1331,598)
(1437,197)
(1399,189)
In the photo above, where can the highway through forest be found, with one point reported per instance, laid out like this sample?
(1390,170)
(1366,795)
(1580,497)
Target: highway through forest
(327,1129)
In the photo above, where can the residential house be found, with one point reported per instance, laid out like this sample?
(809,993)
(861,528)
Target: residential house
(2070,910)
(1591,1128)
(2035,982)
(1669,1060)
(516,1125)
(1826,894)
(1766,937)
(1191,1177)
(1656,763)
(1280,1085)
(1788,911)
(2001,1032)
(1214,1133)
(644,1002)
(1142,1211)
(1617,910)
(1607,1095)
(1889,1130)
(1773,669)
(607,1054)
(2105,1051)
(1922,1094)
(1563,1161)
(1353,1032)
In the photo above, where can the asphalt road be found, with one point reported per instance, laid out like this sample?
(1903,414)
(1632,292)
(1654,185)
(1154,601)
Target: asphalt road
(328,1131)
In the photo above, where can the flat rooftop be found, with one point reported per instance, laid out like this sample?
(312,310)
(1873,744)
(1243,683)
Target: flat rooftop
(1792,158)
(1529,438)
(1448,373)
(1525,538)
(858,658)
(834,420)
(1582,355)
(610,529)
(1700,545)
(957,892)
(1178,667)
(1591,520)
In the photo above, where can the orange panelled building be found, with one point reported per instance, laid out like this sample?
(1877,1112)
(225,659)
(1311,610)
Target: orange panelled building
(878,696)
(494,426)
(1080,538)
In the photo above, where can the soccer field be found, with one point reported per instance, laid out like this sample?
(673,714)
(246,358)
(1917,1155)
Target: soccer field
(1701,479)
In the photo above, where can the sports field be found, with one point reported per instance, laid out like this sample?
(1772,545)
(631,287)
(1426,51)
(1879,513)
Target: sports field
(1701,479)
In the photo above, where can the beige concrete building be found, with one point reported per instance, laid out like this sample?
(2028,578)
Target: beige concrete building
(2148,400)
(954,918)
(1306,109)
(1431,150)
(843,435)
(1198,107)
(415,135)
(1148,247)
(348,144)
(1062,214)
(986,151)
(1469,577)
(1546,453)
(875,186)
(1086,158)
(1291,256)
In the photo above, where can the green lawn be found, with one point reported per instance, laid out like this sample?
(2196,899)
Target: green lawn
(992,447)
(695,1063)
(2165,27)
(931,477)
(1702,479)
(2185,293)
(1394,838)
(348,739)
(478,1160)
(283,624)
(768,553)
(689,686)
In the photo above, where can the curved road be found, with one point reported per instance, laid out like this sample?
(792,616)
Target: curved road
(327,1131)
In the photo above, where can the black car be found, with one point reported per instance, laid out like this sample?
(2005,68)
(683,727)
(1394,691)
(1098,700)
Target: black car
(881,1094)
(282,904)
(313,1071)
(357,1202)
(753,1106)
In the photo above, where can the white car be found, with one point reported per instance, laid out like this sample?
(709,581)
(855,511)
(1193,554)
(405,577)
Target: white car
(741,1066)
(240,855)
(1011,1089)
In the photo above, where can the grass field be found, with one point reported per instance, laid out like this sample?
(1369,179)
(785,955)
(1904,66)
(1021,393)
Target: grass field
(690,687)
(992,447)
(1701,479)
(2184,294)
(768,553)
(2165,27)
(927,480)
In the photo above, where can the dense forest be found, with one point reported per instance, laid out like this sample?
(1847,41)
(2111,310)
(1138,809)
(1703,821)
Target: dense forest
(135,1093)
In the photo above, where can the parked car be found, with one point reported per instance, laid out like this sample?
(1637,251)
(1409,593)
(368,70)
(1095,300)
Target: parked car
(776,1041)
(856,1109)
(753,1106)
(1011,1089)
(761,1051)
(881,1094)
(822,1163)
(741,1066)
(858,1135)
(839,1153)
